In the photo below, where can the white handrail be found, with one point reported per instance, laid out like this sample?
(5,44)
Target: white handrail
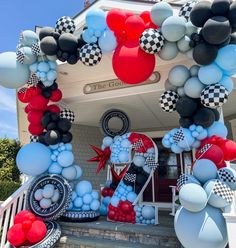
(9,208)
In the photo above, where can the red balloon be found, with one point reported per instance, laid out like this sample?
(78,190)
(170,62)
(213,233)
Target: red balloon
(15,235)
(134,26)
(111,214)
(35,129)
(38,102)
(131,64)
(37,232)
(35,116)
(56,95)
(22,95)
(24,215)
(54,108)
(116,19)
(128,14)
(105,192)
(126,207)
(145,15)
(27,109)
(150,25)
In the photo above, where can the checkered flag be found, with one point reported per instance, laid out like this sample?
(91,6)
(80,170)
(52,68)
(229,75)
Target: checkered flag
(151,41)
(168,100)
(138,144)
(178,136)
(22,90)
(185,10)
(205,148)
(33,80)
(129,177)
(151,163)
(67,114)
(20,57)
(90,54)
(226,176)
(181,181)
(214,96)
(222,190)
(65,25)
(36,49)
(34,138)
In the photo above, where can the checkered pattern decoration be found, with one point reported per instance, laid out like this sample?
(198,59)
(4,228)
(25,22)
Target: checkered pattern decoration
(33,80)
(129,177)
(185,10)
(151,41)
(20,57)
(168,101)
(181,181)
(214,96)
(205,148)
(22,90)
(223,190)
(151,163)
(178,136)
(226,176)
(90,54)
(36,49)
(138,144)
(68,114)
(65,25)
(34,138)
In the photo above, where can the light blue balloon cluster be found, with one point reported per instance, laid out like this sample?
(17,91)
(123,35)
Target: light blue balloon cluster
(84,198)
(97,31)
(104,206)
(123,192)
(191,138)
(145,214)
(45,70)
(63,162)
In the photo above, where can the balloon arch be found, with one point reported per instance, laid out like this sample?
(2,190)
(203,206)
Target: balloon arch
(204,32)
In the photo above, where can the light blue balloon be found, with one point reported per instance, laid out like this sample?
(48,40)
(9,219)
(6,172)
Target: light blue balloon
(70,206)
(38,195)
(139,161)
(205,229)
(43,75)
(43,67)
(129,188)
(166,143)
(78,202)
(213,199)
(48,191)
(95,205)
(202,135)
(87,198)
(226,57)
(193,197)
(210,74)
(176,149)
(229,72)
(123,157)
(27,163)
(85,207)
(103,210)
(28,38)
(188,139)
(52,65)
(12,74)
(217,128)
(232,173)
(115,201)
(107,42)
(107,141)
(86,36)
(73,196)
(45,203)
(79,171)
(84,187)
(196,144)
(29,56)
(34,67)
(47,83)
(204,170)
(227,82)
(131,196)
(121,190)
(148,212)
(125,143)
(106,200)
(51,75)
(65,158)
(96,19)
(69,173)
(55,168)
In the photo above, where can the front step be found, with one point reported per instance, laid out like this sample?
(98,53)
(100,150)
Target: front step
(162,235)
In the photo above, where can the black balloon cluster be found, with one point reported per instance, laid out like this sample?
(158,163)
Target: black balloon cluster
(217,21)
(47,91)
(64,46)
(191,111)
(57,129)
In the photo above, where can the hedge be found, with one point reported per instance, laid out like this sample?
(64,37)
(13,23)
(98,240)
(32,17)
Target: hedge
(7,188)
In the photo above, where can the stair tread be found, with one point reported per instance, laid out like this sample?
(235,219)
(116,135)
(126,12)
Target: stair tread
(102,243)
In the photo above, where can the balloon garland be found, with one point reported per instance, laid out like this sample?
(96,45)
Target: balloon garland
(205,32)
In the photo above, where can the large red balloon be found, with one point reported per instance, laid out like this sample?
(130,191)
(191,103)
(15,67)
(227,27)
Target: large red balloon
(131,64)
(116,19)
(35,129)
(134,26)
(16,235)
(35,116)
(37,232)
(56,95)
(24,215)
(38,102)
(54,108)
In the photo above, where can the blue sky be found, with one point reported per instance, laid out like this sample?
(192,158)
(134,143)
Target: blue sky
(16,16)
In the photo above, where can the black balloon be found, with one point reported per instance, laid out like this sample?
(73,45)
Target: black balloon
(225,43)
(68,43)
(204,53)
(47,93)
(232,14)
(55,116)
(46,31)
(216,113)
(204,117)
(52,137)
(185,122)
(140,179)
(54,86)
(41,138)
(200,13)
(216,30)
(64,125)
(51,126)
(73,59)
(56,35)
(46,119)
(66,137)
(220,7)
(49,45)
(186,106)
(81,42)
(233,38)
(65,55)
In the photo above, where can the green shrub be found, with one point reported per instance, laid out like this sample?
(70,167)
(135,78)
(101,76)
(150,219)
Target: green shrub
(7,188)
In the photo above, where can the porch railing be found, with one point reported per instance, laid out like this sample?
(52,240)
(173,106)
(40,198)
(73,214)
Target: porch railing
(9,208)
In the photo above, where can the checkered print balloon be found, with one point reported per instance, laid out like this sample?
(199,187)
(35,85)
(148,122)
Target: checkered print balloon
(34,138)
(90,54)
(151,41)
(20,56)
(214,96)
(68,114)
(65,25)
(36,49)
(168,101)
(185,10)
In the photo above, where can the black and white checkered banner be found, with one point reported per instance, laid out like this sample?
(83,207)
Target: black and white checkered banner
(150,162)
(186,9)
(67,114)
(205,148)
(129,177)
(20,57)
(181,181)
(138,144)
(33,80)
(178,136)
(36,49)
(223,190)
(225,176)
(34,138)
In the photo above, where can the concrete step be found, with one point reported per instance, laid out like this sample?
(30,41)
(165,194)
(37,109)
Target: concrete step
(71,241)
